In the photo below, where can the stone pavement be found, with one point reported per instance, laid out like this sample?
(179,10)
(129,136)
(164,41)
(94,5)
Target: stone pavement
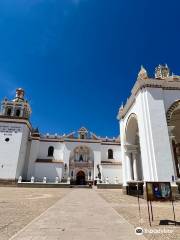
(80,215)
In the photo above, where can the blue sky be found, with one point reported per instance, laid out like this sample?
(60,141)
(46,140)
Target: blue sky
(78,59)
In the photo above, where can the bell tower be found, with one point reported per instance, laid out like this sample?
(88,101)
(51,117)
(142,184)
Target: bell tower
(16,108)
(15,129)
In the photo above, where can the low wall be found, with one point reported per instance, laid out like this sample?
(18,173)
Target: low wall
(7,183)
(109,186)
(43,185)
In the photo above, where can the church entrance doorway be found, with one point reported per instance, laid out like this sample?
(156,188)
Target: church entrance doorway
(80,178)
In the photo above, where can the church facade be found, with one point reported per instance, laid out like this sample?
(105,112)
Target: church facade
(79,156)
(150,129)
(148,148)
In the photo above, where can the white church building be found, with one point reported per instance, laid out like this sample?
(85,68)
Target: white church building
(150,129)
(80,156)
(148,148)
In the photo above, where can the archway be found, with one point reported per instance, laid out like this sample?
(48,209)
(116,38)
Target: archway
(173,121)
(133,150)
(81,158)
(80,178)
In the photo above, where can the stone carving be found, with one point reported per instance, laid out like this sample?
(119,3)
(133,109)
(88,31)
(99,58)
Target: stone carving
(19,179)
(83,132)
(68,180)
(162,72)
(44,180)
(107,180)
(32,179)
(56,180)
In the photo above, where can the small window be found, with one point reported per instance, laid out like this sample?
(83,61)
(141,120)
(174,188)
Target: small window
(9,112)
(18,112)
(7,139)
(110,154)
(50,151)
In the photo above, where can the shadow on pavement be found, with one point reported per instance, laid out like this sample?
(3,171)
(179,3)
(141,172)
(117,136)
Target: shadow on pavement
(169,222)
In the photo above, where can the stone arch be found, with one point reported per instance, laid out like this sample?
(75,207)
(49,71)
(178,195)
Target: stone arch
(171,110)
(80,177)
(132,149)
(173,122)
(131,129)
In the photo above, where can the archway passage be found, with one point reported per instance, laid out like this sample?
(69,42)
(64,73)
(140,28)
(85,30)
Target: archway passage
(133,150)
(80,178)
(174,123)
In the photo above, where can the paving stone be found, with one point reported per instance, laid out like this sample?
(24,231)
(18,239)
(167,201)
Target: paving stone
(81,214)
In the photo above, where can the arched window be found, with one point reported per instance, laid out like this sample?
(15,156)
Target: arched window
(110,154)
(18,112)
(50,151)
(9,112)
(82,136)
(81,158)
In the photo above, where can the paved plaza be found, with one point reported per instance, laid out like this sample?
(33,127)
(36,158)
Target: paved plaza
(31,214)
(127,206)
(19,206)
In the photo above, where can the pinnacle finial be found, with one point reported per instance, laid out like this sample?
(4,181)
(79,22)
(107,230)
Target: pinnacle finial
(142,73)
(122,106)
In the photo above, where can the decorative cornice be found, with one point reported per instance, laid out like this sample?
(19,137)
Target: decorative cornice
(48,160)
(74,140)
(166,84)
(55,138)
(111,143)
(112,163)
(49,139)
(82,140)
(16,120)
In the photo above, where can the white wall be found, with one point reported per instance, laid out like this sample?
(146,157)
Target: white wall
(12,153)
(33,155)
(112,171)
(62,151)
(116,152)
(22,152)
(49,170)
(150,106)
(58,150)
